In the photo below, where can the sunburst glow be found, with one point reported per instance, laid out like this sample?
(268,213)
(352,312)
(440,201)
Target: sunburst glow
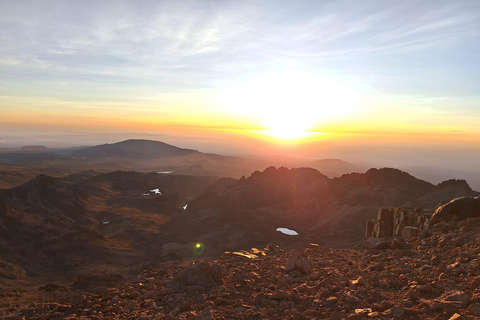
(289,104)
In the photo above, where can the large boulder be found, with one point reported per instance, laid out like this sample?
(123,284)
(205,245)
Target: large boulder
(203,274)
(459,208)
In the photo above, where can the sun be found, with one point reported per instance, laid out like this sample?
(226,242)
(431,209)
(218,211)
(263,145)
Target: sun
(289,104)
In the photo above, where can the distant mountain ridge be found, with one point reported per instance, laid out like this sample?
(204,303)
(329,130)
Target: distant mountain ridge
(334,167)
(133,148)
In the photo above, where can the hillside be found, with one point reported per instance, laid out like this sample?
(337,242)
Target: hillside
(56,227)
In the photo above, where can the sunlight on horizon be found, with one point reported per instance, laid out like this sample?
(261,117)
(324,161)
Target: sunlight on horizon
(290,104)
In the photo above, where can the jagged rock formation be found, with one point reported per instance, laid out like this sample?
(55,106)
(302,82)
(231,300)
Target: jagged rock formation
(407,223)
(398,222)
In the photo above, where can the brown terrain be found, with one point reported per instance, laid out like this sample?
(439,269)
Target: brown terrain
(435,276)
(91,244)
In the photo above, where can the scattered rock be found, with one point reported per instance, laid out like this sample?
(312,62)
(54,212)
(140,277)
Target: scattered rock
(203,274)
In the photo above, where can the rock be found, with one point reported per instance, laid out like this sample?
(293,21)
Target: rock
(457,299)
(381,245)
(279,295)
(409,232)
(298,315)
(463,208)
(474,309)
(384,226)
(272,248)
(303,265)
(457,316)
(298,263)
(291,260)
(359,282)
(397,312)
(258,299)
(335,316)
(398,243)
(206,314)
(203,274)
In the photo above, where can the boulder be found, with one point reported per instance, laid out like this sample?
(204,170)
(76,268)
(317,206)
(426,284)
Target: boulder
(203,274)
(398,243)
(461,208)
(297,262)
(291,260)
(381,245)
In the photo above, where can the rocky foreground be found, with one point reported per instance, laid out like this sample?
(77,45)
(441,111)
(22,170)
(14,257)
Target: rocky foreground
(433,276)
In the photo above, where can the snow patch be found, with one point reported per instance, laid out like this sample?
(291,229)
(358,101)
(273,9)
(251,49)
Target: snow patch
(156,191)
(287,231)
(106,222)
(185,207)
(165,172)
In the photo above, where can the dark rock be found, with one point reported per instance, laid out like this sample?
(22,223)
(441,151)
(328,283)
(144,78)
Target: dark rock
(463,208)
(298,315)
(397,312)
(206,314)
(382,245)
(295,262)
(398,243)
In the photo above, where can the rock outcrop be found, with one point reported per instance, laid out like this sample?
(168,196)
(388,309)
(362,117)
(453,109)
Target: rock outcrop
(398,222)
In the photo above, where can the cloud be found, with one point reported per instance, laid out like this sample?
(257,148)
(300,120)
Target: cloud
(172,46)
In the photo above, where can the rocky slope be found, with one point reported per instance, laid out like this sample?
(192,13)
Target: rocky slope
(436,276)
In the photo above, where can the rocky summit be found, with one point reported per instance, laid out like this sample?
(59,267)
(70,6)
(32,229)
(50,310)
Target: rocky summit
(435,275)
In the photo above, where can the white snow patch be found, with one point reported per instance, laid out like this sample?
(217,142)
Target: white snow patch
(287,231)
(146,194)
(165,172)
(185,207)
(156,191)
(106,222)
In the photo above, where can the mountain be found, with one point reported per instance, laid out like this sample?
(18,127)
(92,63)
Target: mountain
(137,155)
(137,149)
(320,209)
(334,167)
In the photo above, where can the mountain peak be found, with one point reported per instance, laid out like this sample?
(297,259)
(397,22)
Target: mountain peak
(134,148)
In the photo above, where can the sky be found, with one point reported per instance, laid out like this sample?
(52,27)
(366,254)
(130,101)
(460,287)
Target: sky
(385,80)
